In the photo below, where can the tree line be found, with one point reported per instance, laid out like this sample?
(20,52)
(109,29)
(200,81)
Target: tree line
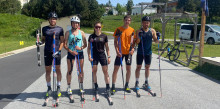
(89,10)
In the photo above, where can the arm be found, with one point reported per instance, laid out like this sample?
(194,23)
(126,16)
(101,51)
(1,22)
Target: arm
(137,37)
(154,36)
(88,51)
(66,41)
(43,39)
(107,51)
(116,46)
(61,42)
(84,41)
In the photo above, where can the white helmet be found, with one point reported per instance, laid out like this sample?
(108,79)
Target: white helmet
(75,19)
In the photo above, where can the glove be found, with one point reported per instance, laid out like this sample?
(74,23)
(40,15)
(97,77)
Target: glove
(38,43)
(57,54)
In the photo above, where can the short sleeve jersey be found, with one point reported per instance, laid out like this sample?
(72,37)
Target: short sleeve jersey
(98,42)
(125,38)
(48,32)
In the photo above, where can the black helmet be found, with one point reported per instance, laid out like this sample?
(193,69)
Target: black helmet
(146,18)
(52,15)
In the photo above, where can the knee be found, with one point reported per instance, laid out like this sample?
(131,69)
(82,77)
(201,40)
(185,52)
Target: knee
(138,68)
(147,66)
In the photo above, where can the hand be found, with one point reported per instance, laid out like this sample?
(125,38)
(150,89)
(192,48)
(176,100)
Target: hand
(109,60)
(74,53)
(90,59)
(78,48)
(57,54)
(119,54)
(38,43)
(132,51)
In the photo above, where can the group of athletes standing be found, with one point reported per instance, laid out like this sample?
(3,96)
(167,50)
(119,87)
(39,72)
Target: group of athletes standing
(75,41)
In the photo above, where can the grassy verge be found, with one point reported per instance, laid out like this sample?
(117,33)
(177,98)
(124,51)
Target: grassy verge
(16,28)
(209,51)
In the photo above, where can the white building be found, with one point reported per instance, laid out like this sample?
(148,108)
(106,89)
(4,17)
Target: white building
(23,2)
(136,10)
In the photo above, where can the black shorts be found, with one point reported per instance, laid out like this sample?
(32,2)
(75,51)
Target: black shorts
(118,62)
(100,57)
(139,59)
(48,58)
(70,56)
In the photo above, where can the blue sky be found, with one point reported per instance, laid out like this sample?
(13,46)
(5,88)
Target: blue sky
(122,2)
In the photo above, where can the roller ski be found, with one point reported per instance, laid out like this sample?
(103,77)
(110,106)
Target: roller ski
(96,95)
(148,89)
(48,93)
(57,98)
(70,95)
(82,99)
(127,89)
(137,89)
(109,97)
(113,91)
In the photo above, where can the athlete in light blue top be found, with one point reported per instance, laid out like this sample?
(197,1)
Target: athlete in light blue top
(75,42)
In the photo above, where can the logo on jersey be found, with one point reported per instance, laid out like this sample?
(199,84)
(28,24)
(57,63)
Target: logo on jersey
(101,39)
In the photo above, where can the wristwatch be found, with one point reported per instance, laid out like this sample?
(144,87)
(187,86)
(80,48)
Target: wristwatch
(109,56)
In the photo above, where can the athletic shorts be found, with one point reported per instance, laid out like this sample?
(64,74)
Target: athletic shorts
(100,57)
(139,59)
(48,58)
(118,62)
(70,56)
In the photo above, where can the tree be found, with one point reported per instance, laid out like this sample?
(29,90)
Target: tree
(90,10)
(214,8)
(189,5)
(10,6)
(109,4)
(118,8)
(129,6)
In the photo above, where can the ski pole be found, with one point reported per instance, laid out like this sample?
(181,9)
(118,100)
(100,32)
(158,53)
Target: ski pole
(54,72)
(92,65)
(159,66)
(119,44)
(129,56)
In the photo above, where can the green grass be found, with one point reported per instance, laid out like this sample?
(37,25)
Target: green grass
(16,28)
(110,23)
(209,51)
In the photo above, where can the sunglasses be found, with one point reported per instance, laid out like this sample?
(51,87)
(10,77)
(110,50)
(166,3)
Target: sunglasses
(98,27)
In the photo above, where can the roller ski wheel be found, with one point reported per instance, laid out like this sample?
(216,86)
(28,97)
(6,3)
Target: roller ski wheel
(48,93)
(137,90)
(109,97)
(71,98)
(82,99)
(148,89)
(70,95)
(96,94)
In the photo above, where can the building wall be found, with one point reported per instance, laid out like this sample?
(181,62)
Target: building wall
(137,11)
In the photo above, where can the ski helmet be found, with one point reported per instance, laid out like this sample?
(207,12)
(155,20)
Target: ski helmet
(75,19)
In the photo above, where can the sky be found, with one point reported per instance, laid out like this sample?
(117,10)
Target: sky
(122,2)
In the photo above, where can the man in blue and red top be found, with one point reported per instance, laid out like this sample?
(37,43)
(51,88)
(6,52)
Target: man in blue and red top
(48,33)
